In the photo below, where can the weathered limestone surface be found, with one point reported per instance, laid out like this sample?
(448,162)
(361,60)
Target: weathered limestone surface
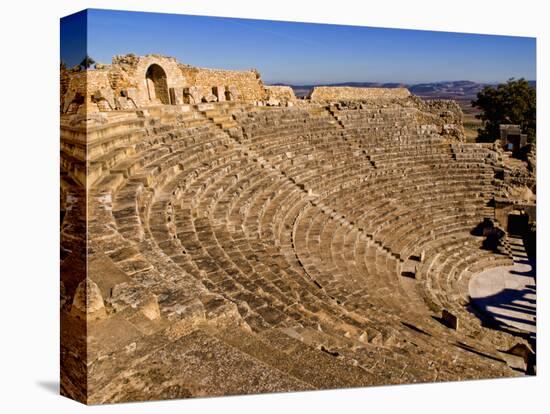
(237,85)
(234,247)
(136,78)
(343,93)
(280,94)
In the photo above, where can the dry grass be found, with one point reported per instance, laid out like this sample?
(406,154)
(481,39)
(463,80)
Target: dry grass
(471,125)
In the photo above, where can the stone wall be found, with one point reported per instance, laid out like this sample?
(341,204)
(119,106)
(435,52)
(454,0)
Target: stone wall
(88,90)
(345,93)
(64,82)
(220,85)
(135,81)
(505,207)
(281,94)
(445,114)
(128,76)
(74,90)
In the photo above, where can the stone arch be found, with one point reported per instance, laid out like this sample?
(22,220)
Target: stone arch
(157,85)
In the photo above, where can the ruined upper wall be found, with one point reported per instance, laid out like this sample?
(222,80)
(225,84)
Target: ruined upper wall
(279,93)
(132,81)
(223,84)
(444,113)
(348,93)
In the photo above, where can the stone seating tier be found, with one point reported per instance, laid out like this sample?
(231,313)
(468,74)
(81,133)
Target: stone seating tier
(295,228)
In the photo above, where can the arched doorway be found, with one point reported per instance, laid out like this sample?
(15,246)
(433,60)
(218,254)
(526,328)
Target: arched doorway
(157,87)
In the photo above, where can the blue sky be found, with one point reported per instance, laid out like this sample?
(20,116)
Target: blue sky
(303,53)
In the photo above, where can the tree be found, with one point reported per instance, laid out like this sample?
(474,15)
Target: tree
(87,62)
(513,102)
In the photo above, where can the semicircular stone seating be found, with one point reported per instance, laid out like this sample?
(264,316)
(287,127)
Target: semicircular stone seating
(284,234)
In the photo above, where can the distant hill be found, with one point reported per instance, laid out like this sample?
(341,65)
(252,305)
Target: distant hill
(463,90)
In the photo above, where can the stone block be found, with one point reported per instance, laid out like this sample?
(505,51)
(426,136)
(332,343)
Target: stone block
(449,320)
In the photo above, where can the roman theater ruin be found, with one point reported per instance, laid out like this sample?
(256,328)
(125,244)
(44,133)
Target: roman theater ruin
(220,236)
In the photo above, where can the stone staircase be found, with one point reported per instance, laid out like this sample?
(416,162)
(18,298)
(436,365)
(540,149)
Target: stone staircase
(238,249)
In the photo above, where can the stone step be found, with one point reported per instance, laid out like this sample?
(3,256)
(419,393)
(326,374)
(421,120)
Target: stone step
(316,367)
(196,363)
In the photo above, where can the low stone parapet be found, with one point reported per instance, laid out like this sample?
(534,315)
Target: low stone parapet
(343,93)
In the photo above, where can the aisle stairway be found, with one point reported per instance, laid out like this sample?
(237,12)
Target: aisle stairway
(271,244)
